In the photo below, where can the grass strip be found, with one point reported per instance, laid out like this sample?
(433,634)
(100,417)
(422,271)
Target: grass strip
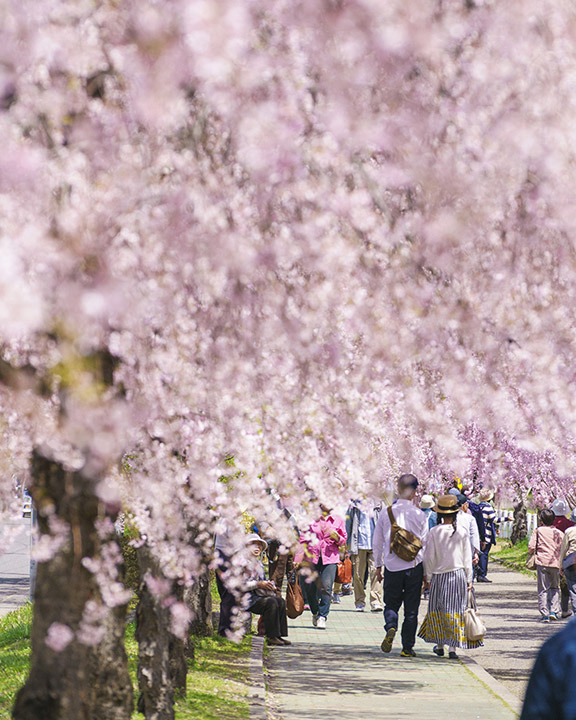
(218,678)
(513,556)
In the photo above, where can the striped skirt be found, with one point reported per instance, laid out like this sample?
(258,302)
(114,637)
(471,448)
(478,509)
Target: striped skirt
(444,621)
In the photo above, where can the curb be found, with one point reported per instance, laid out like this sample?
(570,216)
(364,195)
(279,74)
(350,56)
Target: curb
(257,688)
(495,686)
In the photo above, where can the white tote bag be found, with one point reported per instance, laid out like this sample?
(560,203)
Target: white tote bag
(473,625)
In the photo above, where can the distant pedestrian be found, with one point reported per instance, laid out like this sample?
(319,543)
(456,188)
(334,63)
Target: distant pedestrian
(568,562)
(561,510)
(448,571)
(485,496)
(320,552)
(360,525)
(427,503)
(402,578)
(545,544)
(550,693)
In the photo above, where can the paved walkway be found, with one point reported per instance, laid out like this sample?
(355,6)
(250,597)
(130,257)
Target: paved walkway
(342,673)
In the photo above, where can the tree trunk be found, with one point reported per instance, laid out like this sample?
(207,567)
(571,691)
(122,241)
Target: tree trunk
(199,600)
(520,524)
(160,654)
(69,685)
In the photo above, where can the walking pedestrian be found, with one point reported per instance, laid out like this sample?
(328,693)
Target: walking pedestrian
(360,527)
(546,544)
(568,563)
(402,578)
(485,496)
(448,572)
(320,552)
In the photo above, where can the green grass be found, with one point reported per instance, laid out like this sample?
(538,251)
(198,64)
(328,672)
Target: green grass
(14,656)
(513,556)
(217,679)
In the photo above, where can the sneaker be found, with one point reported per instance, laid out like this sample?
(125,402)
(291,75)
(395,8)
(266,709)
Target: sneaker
(376,608)
(452,655)
(360,607)
(315,620)
(437,650)
(567,614)
(553,616)
(321,623)
(407,652)
(388,640)
(336,598)
(545,619)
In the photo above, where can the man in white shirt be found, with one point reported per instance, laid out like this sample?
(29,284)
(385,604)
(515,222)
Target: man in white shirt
(402,579)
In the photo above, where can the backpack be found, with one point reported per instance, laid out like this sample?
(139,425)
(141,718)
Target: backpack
(403,543)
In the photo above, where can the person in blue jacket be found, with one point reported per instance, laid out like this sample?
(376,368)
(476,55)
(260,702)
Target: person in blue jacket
(551,691)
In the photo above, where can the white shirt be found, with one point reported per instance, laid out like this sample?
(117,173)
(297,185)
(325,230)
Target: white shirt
(447,550)
(469,522)
(408,516)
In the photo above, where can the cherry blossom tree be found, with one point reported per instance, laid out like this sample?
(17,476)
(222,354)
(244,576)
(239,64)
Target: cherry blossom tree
(329,240)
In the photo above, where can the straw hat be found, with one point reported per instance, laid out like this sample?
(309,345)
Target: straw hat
(427,501)
(447,505)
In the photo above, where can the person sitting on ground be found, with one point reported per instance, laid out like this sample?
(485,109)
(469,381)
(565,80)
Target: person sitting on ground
(262,598)
(402,578)
(448,573)
(546,544)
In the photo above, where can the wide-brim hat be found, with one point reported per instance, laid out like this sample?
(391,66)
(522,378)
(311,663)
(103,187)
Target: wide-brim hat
(447,505)
(560,507)
(427,501)
(485,495)
(255,538)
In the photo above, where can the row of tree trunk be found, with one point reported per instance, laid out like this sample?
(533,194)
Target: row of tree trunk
(71,680)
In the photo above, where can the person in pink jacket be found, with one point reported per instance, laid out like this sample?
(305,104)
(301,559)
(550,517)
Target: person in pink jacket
(546,544)
(320,551)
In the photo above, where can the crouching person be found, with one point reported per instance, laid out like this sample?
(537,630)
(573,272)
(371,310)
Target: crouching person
(262,598)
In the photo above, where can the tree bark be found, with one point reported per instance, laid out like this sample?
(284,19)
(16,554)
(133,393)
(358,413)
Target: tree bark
(78,682)
(520,524)
(160,654)
(199,600)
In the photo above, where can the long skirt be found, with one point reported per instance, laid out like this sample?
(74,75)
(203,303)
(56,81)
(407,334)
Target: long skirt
(444,621)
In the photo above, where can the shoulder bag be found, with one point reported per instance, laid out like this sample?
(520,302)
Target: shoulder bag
(473,625)
(294,597)
(403,543)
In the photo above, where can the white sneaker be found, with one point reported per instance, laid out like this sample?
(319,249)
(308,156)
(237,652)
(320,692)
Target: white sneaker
(377,608)
(321,623)
(360,607)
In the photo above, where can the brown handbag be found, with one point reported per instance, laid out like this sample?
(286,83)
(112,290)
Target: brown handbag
(294,597)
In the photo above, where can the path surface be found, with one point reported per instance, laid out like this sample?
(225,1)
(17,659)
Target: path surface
(342,673)
(15,566)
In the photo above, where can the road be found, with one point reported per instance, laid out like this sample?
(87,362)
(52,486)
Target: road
(15,565)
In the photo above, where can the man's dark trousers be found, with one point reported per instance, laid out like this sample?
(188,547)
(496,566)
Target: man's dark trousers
(403,586)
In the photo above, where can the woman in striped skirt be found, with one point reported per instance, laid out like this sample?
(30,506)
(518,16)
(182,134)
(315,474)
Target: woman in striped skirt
(448,572)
